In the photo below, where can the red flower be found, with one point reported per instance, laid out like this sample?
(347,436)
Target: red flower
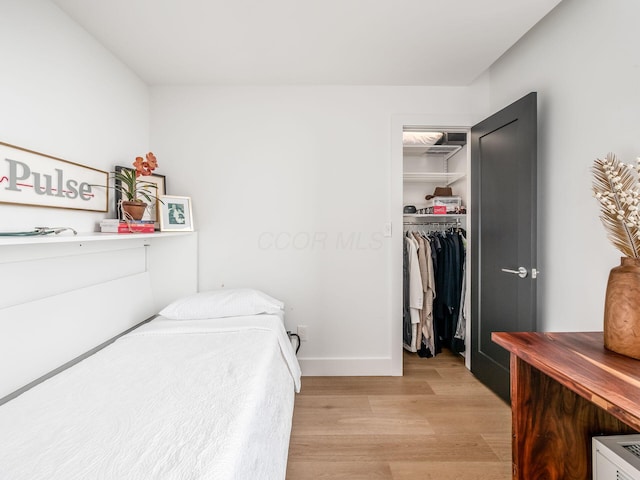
(145,167)
(152,162)
(139,164)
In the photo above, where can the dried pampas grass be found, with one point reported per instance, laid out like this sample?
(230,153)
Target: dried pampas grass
(615,185)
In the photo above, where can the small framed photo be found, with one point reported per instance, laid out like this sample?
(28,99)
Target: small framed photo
(176,214)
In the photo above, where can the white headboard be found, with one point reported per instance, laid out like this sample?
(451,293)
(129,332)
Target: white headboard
(60,300)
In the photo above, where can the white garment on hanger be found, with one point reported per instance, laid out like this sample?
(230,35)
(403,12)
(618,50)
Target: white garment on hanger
(461,328)
(428,300)
(415,290)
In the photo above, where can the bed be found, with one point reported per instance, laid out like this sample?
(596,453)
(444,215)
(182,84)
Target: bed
(184,396)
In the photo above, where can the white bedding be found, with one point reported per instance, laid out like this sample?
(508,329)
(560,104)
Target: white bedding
(201,399)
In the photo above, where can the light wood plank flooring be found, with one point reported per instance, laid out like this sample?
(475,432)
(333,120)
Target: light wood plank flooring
(436,422)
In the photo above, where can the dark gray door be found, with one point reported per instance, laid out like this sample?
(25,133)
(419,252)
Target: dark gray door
(503,236)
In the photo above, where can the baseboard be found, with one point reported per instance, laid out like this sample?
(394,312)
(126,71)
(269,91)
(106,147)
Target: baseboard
(346,367)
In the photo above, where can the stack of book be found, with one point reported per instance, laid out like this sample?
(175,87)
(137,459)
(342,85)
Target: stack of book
(114,225)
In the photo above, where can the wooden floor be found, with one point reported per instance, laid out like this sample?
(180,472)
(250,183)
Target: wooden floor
(436,422)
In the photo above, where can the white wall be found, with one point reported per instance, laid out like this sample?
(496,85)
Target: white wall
(291,188)
(584,61)
(63,94)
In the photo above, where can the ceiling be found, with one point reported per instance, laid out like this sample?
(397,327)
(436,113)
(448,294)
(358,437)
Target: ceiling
(307,42)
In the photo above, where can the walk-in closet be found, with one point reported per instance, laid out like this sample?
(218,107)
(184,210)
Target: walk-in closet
(435,247)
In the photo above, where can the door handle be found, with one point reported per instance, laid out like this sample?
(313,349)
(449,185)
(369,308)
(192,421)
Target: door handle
(521,272)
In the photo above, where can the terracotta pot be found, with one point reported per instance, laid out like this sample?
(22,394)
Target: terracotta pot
(622,309)
(135,209)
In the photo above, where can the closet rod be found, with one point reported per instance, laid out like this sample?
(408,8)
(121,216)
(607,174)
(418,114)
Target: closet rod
(435,224)
(432,226)
(431,222)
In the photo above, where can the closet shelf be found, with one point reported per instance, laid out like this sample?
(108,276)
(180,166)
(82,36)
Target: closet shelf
(441,151)
(433,177)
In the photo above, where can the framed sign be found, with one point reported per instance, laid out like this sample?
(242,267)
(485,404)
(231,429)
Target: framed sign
(32,178)
(158,189)
(176,214)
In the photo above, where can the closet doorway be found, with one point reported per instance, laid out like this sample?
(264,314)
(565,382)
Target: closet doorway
(435,195)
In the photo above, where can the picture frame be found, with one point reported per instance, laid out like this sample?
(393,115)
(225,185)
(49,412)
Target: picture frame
(176,214)
(40,180)
(152,212)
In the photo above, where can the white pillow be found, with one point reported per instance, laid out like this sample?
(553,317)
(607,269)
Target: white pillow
(226,302)
(420,138)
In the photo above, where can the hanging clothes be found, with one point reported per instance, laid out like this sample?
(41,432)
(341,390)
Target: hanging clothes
(406,317)
(450,254)
(434,263)
(426,343)
(461,328)
(415,299)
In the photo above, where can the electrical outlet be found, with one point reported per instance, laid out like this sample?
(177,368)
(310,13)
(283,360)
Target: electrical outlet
(302,333)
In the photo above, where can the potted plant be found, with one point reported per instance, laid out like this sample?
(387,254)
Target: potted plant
(617,187)
(135,193)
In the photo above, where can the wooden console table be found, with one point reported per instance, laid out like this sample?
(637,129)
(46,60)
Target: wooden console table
(566,388)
